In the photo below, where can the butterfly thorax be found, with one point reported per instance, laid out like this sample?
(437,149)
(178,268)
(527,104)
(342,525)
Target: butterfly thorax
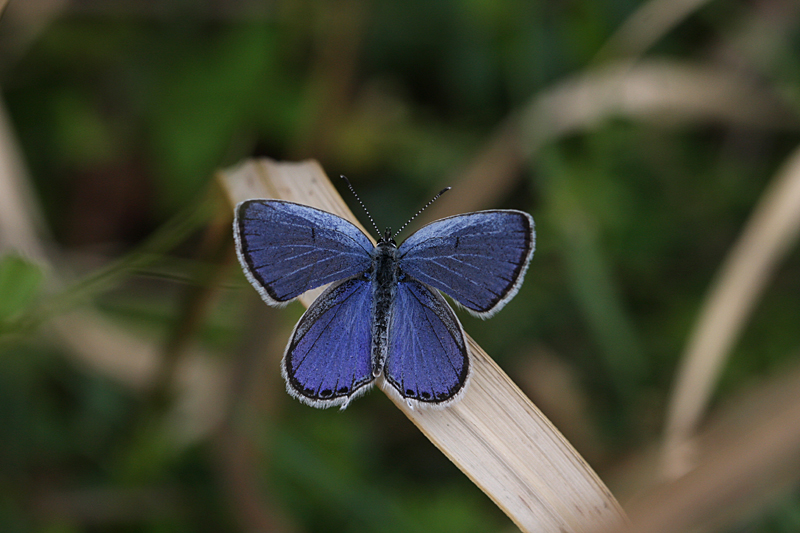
(384,274)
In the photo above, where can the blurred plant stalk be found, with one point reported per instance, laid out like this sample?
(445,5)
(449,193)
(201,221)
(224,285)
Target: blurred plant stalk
(771,232)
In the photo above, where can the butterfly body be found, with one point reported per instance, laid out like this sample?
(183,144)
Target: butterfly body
(384,275)
(382,316)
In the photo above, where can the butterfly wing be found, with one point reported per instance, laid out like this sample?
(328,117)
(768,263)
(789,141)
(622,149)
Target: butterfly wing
(328,359)
(478,259)
(287,249)
(427,359)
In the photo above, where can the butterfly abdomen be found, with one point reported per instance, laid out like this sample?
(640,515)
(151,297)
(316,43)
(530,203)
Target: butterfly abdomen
(384,287)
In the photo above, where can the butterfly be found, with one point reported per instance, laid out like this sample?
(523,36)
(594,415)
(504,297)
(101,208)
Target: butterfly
(382,316)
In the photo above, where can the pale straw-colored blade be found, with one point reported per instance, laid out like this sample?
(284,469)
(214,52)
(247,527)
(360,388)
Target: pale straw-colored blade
(663,91)
(495,435)
(748,462)
(773,230)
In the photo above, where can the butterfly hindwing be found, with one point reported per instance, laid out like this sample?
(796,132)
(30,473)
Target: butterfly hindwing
(287,249)
(427,359)
(328,359)
(478,259)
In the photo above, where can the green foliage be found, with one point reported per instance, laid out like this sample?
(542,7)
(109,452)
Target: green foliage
(124,110)
(19,284)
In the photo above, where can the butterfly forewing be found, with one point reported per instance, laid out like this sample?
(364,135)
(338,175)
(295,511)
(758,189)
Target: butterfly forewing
(287,249)
(427,360)
(328,358)
(478,259)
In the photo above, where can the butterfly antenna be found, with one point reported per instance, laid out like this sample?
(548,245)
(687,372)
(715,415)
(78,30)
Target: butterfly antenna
(352,190)
(421,210)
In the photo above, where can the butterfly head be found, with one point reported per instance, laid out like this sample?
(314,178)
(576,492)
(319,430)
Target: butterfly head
(388,238)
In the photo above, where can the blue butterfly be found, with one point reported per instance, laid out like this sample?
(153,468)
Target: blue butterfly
(383,314)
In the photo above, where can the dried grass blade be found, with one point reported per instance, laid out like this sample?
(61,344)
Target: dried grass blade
(495,435)
(662,91)
(773,229)
(748,457)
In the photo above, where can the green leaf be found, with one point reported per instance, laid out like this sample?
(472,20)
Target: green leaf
(19,283)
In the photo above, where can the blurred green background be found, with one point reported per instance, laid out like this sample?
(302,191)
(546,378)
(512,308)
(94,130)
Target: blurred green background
(121,111)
